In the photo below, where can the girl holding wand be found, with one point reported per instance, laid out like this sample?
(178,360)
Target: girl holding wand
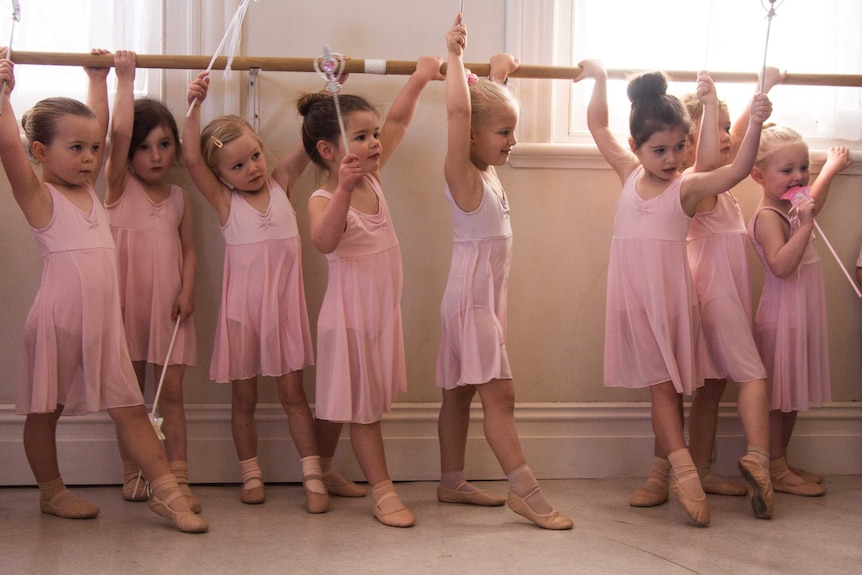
(151,221)
(262,326)
(360,347)
(473,357)
(652,314)
(75,359)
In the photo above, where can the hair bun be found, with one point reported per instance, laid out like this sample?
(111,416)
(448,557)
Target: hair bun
(647,85)
(305,103)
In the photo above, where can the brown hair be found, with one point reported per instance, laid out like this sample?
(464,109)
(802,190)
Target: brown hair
(320,121)
(653,109)
(149,115)
(40,121)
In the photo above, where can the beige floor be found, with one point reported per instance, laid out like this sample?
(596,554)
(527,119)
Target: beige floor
(820,535)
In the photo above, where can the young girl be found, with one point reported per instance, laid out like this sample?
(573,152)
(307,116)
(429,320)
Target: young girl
(360,350)
(717,255)
(652,314)
(473,355)
(75,359)
(151,221)
(263,323)
(790,324)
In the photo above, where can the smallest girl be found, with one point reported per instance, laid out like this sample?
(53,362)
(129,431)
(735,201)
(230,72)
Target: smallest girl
(262,324)
(151,221)
(790,324)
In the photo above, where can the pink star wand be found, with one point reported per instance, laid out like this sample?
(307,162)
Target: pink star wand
(799,193)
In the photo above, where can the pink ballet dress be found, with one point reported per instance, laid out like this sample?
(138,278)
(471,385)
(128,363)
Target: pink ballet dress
(790,329)
(75,351)
(473,311)
(360,345)
(150,267)
(262,326)
(718,257)
(652,318)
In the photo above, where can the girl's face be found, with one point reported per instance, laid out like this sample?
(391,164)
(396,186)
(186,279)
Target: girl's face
(241,164)
(155,156)
(363,138)
(492,139)
(71,157)
(663,154)
(785,168)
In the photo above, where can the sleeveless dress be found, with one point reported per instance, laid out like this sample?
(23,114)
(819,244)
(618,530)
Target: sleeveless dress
(262,326)
(473,310)
(75,351)
(718,257)
(360,345)
(150,267)
(652,318)
(790,329)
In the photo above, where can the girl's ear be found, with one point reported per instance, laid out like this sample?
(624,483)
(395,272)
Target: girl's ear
(38,150)
(632,145)
(326,150)
(757,175)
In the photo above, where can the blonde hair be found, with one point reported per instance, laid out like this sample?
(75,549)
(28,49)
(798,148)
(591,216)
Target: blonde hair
(487,98)
(223,131)
(40,121)
(774,138)
(694,107)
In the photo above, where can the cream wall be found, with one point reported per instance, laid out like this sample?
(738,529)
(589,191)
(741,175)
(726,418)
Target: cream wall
(561,217)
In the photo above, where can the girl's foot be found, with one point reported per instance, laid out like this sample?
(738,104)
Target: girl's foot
(181,471)
(168,501)
(55,499)
(552,520)
(339,485)
(469,494)
(134,485)
(388,508)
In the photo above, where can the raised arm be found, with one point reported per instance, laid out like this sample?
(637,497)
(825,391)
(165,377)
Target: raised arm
(837,160)
(328,216)
(28,190)
(122,122)
(289,169)
(462,177)
(708,156)
(97,100)
(772,78)
(207,183)
(403,109)
(698,186)
(622,161)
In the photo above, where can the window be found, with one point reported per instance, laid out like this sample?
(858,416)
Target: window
(719,35)
(63,26)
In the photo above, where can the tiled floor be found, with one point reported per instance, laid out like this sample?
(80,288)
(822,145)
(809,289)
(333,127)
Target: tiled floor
(819,535)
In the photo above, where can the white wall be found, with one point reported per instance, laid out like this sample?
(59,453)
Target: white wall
(562,218)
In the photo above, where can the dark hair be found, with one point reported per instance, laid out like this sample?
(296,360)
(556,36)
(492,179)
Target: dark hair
(40,121)
(653,109)
(320,121)
(150,114)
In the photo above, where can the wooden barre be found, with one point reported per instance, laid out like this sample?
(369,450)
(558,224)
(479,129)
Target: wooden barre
(396,67)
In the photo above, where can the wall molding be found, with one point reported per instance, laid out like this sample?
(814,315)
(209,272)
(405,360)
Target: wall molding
(561,440)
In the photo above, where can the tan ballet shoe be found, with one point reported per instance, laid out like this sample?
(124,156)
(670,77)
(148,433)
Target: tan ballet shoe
(807,475)
(253,495)
(552,520)
(400,517)
(315,502)
(761,486)
(181,471)
(135,486)
(721,486)
(185,521)
(643,497)
(73,508)
(341,486)
(481,497)
(697,507)
(805,489)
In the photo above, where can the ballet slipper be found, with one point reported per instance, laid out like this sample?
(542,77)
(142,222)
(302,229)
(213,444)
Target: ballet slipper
(253,495)
(479,497)
(181,471)
(761,485)
(806,475)
(65,504)
(400,517)
(552,520)
(134,485)
(785,481)
(643,497)
(339,485)
(697,507)
(721,486)
(314,502)
(185,521)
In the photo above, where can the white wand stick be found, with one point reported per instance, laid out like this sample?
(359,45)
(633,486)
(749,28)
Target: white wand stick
(16,17)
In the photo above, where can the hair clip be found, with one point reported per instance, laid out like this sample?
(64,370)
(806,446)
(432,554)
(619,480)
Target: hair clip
(471,77)
(218,143)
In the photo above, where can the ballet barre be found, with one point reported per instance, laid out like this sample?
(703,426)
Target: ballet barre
(396,67)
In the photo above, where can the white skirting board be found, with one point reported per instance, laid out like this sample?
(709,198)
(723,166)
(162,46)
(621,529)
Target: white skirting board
(560,440)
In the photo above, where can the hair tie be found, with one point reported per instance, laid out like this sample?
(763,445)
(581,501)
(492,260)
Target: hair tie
(471,77)
(218,143)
